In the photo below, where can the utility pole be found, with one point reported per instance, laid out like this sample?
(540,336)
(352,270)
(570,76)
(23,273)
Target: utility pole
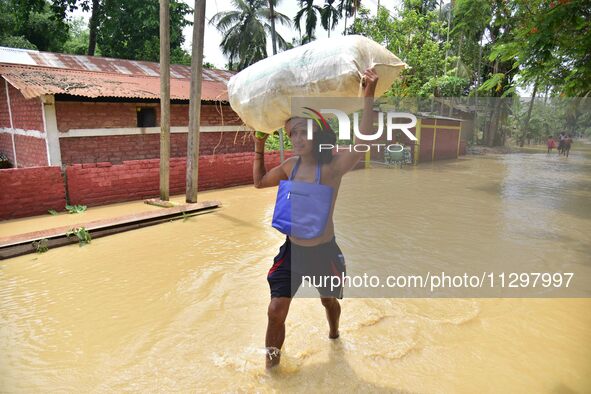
(195,102)
(164,99)
(274,43)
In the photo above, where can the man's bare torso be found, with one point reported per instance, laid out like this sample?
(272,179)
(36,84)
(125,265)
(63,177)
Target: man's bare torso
(329,177)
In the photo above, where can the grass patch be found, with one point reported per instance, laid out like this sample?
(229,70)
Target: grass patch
(41,246)
(81,233)
(75,208)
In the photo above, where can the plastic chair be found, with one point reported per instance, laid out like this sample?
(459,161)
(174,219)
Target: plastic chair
(396,158)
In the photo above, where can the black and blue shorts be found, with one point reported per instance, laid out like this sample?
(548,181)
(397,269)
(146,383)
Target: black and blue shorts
(295,263)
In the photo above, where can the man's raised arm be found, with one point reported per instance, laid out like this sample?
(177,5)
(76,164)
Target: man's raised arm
(346,161)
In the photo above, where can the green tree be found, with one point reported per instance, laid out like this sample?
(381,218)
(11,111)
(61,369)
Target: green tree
(551,43)
(93,6)
(31,24)
(478,63)
(329,16)
(77,43)
(245,31)
(130,30)
(311,13)
(420,6)
(17,42)
(348,9)
(413,36)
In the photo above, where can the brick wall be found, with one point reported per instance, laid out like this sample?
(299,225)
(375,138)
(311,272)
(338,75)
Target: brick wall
(30,151)
(117,149)
(5,138)
(215,115)
(31,191)
(80,115)
(26,114)
(6,146)
(104,182)
(4,114)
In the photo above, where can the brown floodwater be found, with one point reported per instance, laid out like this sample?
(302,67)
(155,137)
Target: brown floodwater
(181,306)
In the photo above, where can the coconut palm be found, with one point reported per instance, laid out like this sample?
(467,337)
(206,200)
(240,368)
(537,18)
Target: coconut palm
(348,8)
(311,13)
(245,31)
(329,16)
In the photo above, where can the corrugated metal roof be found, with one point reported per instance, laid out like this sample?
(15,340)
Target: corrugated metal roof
(36,73)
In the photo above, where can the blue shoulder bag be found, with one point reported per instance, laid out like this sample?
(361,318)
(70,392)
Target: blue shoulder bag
(302,208)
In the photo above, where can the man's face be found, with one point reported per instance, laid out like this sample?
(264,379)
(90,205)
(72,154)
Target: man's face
(297,130)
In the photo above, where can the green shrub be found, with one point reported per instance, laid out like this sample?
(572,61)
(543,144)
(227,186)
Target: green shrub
(81,233)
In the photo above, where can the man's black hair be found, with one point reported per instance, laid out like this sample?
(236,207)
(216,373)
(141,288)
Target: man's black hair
(321,135)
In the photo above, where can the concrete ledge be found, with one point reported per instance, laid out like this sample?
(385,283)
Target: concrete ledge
(16,245)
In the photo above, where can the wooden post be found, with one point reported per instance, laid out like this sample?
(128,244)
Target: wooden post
(195,102)
(434,137)
(164,99)
(417,146)
(274,45)
(459,140)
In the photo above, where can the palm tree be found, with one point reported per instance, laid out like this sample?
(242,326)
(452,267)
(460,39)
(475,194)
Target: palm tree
(296,42)
(349,8)
(245,31)
(310,10)
(329,16)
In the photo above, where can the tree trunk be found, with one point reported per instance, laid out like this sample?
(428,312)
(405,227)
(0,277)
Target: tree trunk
(273,34)
(447,41)
(459,55)
(93,26)
(195,102)
(164,99)
(531,106)
(546,95)
(476,101)
(493,125)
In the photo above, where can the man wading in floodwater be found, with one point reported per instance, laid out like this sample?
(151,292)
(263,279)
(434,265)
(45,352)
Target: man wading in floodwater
(322,253)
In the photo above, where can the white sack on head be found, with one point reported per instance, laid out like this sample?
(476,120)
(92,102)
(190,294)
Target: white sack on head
(332,67)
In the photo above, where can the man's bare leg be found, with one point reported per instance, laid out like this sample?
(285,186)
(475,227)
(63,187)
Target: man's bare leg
(277,313)
(333,313)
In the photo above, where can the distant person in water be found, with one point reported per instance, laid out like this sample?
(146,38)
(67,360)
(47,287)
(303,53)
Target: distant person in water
(322,254)
(551,143)
(567,143)
(561,138)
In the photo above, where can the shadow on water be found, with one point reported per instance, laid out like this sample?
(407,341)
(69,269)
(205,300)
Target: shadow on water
(236,221)
(317,374)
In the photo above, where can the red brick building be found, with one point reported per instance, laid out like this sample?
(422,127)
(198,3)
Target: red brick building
(58,110)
